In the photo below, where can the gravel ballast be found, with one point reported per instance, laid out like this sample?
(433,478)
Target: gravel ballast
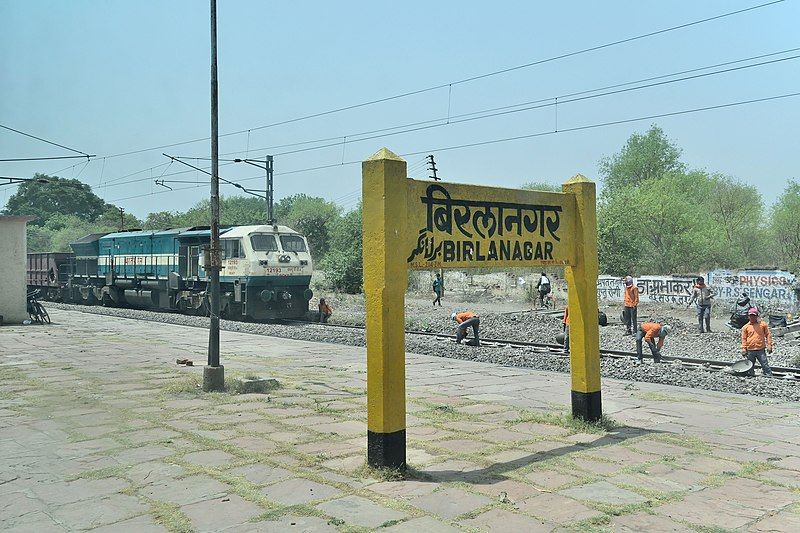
(501,321)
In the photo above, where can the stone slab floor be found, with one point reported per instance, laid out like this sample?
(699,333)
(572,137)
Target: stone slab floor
(101,430)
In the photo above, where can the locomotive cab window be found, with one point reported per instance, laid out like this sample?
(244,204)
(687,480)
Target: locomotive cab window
(232,249)
(264,243)
(293,243)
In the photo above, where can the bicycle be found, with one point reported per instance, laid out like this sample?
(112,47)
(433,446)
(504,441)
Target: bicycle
(36,311)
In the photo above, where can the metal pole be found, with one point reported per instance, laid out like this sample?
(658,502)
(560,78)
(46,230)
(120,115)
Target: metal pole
(213,334)
(270,212)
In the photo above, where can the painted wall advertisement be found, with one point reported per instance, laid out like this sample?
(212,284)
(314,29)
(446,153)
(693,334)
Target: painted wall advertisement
(766,287)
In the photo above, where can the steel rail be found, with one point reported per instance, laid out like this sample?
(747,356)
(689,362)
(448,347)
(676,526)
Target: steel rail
(557,349)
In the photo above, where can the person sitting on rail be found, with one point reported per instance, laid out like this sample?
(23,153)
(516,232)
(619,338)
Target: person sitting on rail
(325,310)
(704,296)
(631,304)
(740,310)
(543,286)
(757,342)
(466,319)
(648,332)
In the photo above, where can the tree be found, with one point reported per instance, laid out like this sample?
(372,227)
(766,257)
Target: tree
(56,197)
(785,226)
(644,157)
(343,264)
(541,186)
(738,210)
(311,216)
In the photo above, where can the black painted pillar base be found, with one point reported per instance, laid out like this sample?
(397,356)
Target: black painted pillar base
(387,450)
(587,406)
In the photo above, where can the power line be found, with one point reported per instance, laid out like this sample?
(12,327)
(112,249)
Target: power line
(45,140)
(527,136)
(462,81)
(45,158)
(548,102)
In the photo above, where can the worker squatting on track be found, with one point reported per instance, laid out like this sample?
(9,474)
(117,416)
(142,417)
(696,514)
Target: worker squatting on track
(648,332)
(631,304)
(757,342)
(325,310)
(703,296)
(466,319)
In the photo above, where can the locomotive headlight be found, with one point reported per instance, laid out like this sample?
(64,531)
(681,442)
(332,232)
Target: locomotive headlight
(286,295)
(266,295)
(284,258)
(307,294)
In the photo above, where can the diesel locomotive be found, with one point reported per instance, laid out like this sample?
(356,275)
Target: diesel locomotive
(266,271)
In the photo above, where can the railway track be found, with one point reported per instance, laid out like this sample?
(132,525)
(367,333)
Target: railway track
(779,372)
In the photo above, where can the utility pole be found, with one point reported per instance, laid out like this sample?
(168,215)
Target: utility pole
(270,212)
(432,167)
(121,219)
(214,373)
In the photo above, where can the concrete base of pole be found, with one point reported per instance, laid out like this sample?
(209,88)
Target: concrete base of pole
(213,378)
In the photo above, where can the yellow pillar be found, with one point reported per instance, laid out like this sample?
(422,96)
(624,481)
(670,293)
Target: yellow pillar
(384,235)
(584,338)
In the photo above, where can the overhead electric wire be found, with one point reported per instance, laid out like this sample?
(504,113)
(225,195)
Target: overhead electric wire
(462,81)
(44,158)
(45,140)
(521,137)
(517,108)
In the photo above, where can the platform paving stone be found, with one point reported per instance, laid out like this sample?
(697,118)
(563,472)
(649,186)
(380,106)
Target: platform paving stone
(287,524)
(604,492)
(557,508)
(450,502)
(102,511)
(220,513)
(360,511)
(501,521)
(297,490)
(261,474)
(636,523)
(186,490)
(96,442)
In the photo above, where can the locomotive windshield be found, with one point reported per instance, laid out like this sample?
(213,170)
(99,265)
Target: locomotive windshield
(293,243)
(264,243)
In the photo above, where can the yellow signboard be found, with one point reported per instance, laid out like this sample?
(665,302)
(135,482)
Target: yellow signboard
(454,225)
(425,225)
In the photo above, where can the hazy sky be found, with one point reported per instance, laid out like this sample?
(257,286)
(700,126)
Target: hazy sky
(116,76)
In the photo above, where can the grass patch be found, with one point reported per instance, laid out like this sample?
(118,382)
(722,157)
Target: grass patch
(567,421)
(661,397)
(619,510)
(170,516)
(592,525)
(752,468)
(101,473)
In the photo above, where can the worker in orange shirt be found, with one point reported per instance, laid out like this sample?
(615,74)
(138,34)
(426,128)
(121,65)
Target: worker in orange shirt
(648,332)
(465,320)
(565,322)
(757,342)
(325,310)
(631,303)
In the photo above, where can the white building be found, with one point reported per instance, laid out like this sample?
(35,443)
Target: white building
(13,255)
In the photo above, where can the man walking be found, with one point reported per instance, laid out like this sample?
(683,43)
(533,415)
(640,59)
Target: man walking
(631,304)
(543,286)
(704,297)
(465,320)
(757,342)
(648,332)
(438,289)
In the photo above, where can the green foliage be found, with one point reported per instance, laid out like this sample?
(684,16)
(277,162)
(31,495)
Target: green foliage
(343,264)
(541,186)
(311,216)
(785,226)
(657,217)
(57,196)
(644,157)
